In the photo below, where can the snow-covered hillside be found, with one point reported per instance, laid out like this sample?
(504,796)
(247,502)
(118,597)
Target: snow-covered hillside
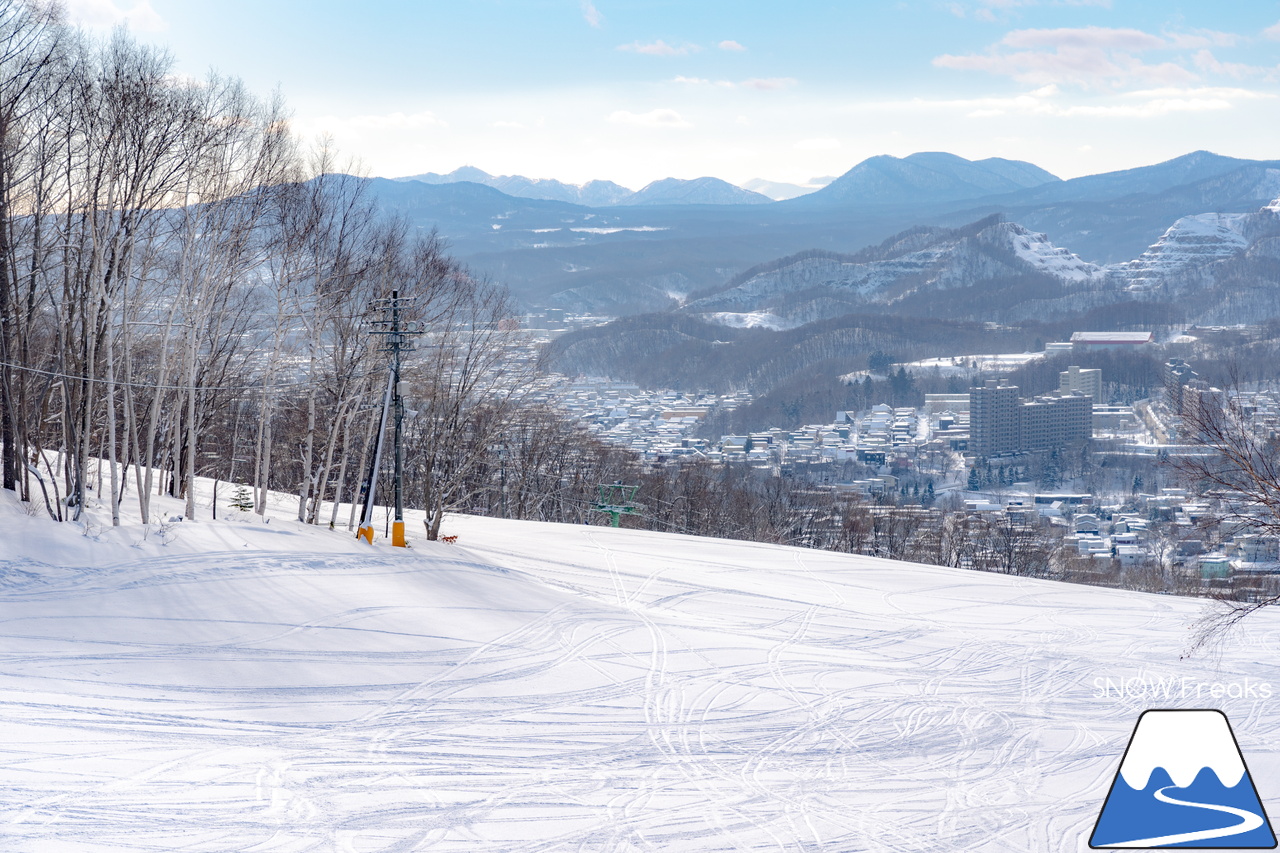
(1191,242)
(235,686)
(917,263)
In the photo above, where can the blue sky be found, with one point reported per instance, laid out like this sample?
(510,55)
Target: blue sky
(636,90)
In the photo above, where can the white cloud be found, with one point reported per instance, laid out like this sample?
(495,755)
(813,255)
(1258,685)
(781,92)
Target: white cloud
(1103,57)
(1203,92)
(1273,31)
(1201,38)
(1207,62)
(1088,67)
(821,144)
(1013,4)
(106,13)
(653,118)
(660,48)
(1084,56)
(766,84)
(1149,109)
(730,44)
(1047,101)
(763,84)
(1084,37)
(509,125)
(591,14)
(391,121)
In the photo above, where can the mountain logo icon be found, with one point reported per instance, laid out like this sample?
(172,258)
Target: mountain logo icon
(1183,783)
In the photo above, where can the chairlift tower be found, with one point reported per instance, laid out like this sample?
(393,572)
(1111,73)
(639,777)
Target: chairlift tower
(396,340)
(617,499)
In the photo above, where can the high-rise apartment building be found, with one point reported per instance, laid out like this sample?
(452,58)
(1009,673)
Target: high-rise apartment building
(1001,422)
(993,418)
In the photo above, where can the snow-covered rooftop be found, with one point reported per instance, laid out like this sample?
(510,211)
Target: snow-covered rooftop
(1111,337)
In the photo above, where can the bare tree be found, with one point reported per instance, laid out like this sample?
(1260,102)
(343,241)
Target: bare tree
(31,38)
(464,384)
(1240,471)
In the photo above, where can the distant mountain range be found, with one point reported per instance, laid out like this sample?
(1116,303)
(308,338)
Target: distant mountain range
(1214,267)
(789,329)
(592,193)
(650,250)
(929,176)
(601,193)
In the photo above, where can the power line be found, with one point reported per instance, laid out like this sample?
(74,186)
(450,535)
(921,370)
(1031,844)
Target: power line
(122,384)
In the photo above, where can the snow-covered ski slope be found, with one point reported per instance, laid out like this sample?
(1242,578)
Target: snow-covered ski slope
(533,687)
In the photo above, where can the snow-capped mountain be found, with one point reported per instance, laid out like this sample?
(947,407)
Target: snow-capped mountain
(1220,263)
(1035,250)
(1218,267)
(1190,243)
(905,271)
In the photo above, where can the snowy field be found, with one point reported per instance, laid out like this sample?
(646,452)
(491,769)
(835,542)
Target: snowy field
(238,687)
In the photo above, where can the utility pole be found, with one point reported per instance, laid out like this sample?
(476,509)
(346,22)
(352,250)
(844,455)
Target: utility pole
(396,341)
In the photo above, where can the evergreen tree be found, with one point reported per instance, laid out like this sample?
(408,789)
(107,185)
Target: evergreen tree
(901,386)
(1050,477)
(241,499)
(975,479)
(879,361)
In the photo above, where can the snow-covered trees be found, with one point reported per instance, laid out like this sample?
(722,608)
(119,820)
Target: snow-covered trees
(184,293)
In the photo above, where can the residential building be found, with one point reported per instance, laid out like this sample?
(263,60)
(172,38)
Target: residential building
(1001,422)
(1177,375)
(993,418)
(1085,381)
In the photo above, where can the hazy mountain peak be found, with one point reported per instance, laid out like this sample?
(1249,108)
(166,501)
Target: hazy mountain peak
(592,193)
(704,190)
(468,173)
(780,190)
(462,173)
(929,176)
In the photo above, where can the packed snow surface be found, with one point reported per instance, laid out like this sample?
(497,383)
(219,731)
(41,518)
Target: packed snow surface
(240,686)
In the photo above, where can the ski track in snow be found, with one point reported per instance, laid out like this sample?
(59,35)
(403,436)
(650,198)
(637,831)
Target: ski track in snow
(557,688)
